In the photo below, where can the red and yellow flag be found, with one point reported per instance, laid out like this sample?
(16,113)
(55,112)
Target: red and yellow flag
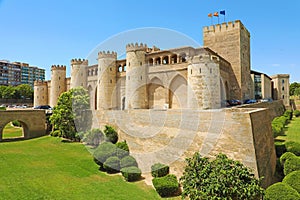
(209,15)
(216,14)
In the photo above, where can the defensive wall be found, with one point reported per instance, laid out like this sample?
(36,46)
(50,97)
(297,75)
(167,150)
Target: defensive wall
(32,121)
(169,136)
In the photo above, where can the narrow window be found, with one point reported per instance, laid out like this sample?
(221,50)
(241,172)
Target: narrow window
(200,70)
(141,63)
(191,71)
(110,81)
(59,78)
(110,69)
(141,77)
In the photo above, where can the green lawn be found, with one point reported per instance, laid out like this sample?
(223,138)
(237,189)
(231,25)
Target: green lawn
(47,168)
(11,132)
(292,132)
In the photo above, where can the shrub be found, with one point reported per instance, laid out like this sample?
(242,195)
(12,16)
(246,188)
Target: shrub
(166,186)
(56,133)
(2,108)
(290,165)
(131,173)
(280,148)
(288,114)
(111,134)
(123,145)
(112,164)
(286,156)
(281,191)
(296,113)
(277,129)
(122,150)
(159,170)
(293,180)
(293,147)
(104,151)
(93,137)
(128,161)
(16,123)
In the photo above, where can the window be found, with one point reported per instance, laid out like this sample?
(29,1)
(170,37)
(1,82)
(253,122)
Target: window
(191,71)
(282,88)
(282,81)
(200,70)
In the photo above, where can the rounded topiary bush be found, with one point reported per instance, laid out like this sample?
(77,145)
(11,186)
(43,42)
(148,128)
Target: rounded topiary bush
(279,148)
(111,134)
(290,165)
(123,145)
(112,164)
(288,114)
(122,150)
(93,137)
(286,156)
(293,180)
(103,152)
(166,186)
(132,173)
(293,147)
(128,161)
(281,191)
(296,113)
(277,129)
(159,170)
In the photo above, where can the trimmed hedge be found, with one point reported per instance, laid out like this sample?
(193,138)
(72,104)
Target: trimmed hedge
(123,145)
(296,113)
(281,191)
(112,164)
(122,149)
(103,152)
(93,137)
(291,165)
(286,156)
(293,147)
(293,180)
(159,170)
(111,134)
(288,114)
(166,186)
(128,161)
(131,173)
(279,148)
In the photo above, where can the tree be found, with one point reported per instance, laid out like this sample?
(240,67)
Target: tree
(24,91)
(297,92)
(221,178)
(69,107)
(293,87)
(9,92)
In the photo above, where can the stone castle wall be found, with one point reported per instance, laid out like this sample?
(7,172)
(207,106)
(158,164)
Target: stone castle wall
(58,83)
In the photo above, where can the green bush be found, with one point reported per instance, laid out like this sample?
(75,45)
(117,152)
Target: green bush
(16,123)
(2,108)
(296,113)
(166,186)
(56,133)
(111,134)
(279,148)
(288,114)
(293,147)
(159,170)
(128,161)
(112,164)
(277,129)
(93,137)
(103,152)
(281,191)
(290,165)
(293,180)
(131,173)
(286,156)
(123,145)
(122,150)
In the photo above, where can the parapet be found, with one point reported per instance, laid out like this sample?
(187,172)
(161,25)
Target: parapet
(58,67)
(79,62)
(237,24)
(107,54)
(136,47)
(40,83)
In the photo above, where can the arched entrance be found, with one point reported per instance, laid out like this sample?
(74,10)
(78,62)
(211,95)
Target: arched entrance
(178,93)
(95,99)
(156,94)
(14,130)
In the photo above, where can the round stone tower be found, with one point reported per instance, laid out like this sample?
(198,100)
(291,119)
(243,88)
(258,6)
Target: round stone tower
(107,78)
(204,82)
(136,77)
(79,73)
(40,93)
(58,83)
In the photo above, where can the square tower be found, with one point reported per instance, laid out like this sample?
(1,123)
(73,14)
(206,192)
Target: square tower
(281,86)
(232,41)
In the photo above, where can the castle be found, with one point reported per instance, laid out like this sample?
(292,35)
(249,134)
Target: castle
(185,77)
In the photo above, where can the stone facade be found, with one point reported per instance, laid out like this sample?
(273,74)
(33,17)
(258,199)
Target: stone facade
(281,88)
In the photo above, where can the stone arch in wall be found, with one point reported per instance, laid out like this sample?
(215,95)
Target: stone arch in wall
(178,92)
(156,94)
(23,124)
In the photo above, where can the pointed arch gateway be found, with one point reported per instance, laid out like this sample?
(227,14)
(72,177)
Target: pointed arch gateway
(178,92)
(156,94)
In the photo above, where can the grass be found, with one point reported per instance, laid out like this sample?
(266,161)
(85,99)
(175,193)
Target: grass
(47,168)
(12,132)
(292,132)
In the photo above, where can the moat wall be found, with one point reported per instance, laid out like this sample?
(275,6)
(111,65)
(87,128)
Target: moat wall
(169,136)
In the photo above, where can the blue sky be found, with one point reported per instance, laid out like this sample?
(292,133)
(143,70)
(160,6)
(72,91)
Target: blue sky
(44,32)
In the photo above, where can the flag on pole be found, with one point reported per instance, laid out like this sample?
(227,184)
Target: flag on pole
(209,15)
(222,12)
(216,14)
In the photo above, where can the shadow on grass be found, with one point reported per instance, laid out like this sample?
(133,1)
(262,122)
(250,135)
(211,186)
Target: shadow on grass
(15,139)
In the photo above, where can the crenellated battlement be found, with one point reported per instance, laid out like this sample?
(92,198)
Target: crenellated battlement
(237,24)
(107,54)
(58,67)
(79,62)
(40,83)
(136,47)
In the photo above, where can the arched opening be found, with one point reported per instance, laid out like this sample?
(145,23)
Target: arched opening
(120,68)
(156,94)
(14,130)
(123,103)
(95,101)
(150,61)
(183,57)
(157,61)
(166,60)
(174,59)
(178,93)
